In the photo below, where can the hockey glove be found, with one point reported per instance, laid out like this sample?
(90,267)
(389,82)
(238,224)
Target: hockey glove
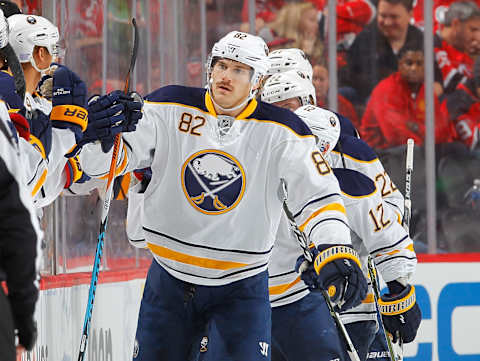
(40,131)
(26,331)
(68,95)
(400,312)
(336,269)
(74,172)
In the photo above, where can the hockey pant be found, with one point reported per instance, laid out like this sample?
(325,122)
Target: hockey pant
(173,313)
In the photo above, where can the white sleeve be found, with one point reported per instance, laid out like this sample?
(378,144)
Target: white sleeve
(383,236)
(313,193)
(35,167)
(136,150)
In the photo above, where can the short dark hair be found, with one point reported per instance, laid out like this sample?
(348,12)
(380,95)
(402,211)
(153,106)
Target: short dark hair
(410,46)
(407,4)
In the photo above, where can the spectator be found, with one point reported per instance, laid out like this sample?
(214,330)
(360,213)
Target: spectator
(300,22)
(457,41)
(320,82)
(372,56)
(396,109)
(464,109)
(18,243)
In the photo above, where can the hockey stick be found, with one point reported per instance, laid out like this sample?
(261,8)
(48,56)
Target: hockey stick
(396,348)
(303,241)
(104,215)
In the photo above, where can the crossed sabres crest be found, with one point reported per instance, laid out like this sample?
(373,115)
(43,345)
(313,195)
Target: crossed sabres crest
(213,181)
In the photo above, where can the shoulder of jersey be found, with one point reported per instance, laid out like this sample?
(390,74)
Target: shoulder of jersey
(353,183)
(182,95)
(346,126)
(7,82)
(356,148)
(273,114)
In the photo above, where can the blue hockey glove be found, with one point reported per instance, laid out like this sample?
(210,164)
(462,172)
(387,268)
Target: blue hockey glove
(74,172)
(69,94)
(400,311)
(336,269)
(40,131)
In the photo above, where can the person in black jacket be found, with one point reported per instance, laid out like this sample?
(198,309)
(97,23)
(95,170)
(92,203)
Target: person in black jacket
(19,234)
(373,55)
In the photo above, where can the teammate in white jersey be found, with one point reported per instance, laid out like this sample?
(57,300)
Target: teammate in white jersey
(387,241)
(212,207)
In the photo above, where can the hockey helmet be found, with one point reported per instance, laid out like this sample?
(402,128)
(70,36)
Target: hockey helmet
(282,60)
(28,31)
(245,48)
(3,30)
(324,124)
(291,84)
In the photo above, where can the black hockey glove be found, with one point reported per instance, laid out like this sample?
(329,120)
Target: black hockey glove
(26,331)
(400,312)
(336,269)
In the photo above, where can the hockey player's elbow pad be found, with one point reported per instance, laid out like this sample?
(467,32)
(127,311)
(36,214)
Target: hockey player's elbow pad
(340,273)
(400,312)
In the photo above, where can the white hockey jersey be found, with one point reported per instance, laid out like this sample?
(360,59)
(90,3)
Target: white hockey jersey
(63,140)
(212,207)
(359,156)
(375,232)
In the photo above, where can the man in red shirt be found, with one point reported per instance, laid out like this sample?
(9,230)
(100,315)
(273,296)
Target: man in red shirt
(457,42)
(396,109)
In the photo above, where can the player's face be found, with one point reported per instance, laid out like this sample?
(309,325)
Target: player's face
(230,82)
(392,19)
(411,67)
(320,81)
(290,104)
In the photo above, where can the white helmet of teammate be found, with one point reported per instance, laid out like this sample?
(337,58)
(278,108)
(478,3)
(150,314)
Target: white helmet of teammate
(291,84)
(282,60)
(324,124)
(28,31)
(245,48)
(3,30)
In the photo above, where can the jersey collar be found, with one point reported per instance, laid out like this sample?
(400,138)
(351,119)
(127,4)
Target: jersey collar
(249,109)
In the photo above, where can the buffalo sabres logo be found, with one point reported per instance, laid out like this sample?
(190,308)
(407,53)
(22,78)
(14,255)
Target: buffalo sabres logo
(213,181)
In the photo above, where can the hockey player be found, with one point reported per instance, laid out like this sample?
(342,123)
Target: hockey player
(18,243)
(291,90)
(217,155)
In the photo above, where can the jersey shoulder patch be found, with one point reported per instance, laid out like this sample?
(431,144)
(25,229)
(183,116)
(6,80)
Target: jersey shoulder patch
(183,95)
(353,183)
(356,149)
(272,113)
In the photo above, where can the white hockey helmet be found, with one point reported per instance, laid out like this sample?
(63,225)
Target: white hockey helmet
(3,30)
(28,31)
(282,60)
(291,84)
(324,124)
(245,48)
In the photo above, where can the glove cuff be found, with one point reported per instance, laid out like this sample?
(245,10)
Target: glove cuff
(332,253)
(398,304)
(70,113)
